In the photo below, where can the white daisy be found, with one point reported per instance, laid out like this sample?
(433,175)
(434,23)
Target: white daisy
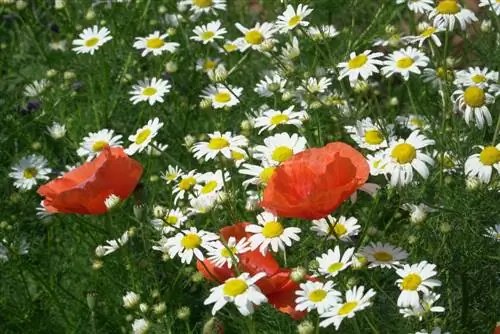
(211,183)
(221,254)
(270,233)
(208,33)
(355,300)
(219,143)
(222,96)
(170,222)
(447,161)
(140,326)
(493,232)
(207,64)
(279,148)
(332,262)
(383,255)
(418,6)
(316,295)
(413,122)
(143,136)
(155,43)
(188,243)
(292,18)
(35,88)
(255,37)
(151,91)
(271,118)
(472,102)
(322,32)
(112,245)
(425,307)
(199,7)
(203,204)
(91,39)
(377,163)
(447,12)
(94,143)
(56,130)
(314,86)
(185,184)
(415,278)
(481,164)
(260,174)
(404,61)
(291,51)
(368,135)
(418,213)
(437,77)
(271,85)
(476,76)
(172,174)
(156,149)
(241,291)
(363,65)
(29,170)
(493,5)
(342,229)
(426,31)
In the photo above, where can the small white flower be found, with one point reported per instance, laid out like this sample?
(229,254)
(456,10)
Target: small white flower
(112,201)
(292,18)
(143,136)
(260,174)
(481,164)
(279,148)
(35,88)
(415,278)
(150,90)
(219,143)
(383,255)
(369,135)
(447,12)
(270,119)
(95,142)
(221,254)
(140,326)
(404,62)
(91,39)
(316,295)
(171,221)
(209,33)
(29,170)
(57,130)
(154,43)
(172,174)
(115,244)
(332,262)
(418,213)
(270,85)
(255,37)
(342,229)
(363,65)
(222,96)
(131,299)
(189,243)
(493,232)
(472,102)
(424,307)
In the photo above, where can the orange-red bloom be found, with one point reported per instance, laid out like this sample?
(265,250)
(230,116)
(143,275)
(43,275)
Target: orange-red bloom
(314,182)
(84,189)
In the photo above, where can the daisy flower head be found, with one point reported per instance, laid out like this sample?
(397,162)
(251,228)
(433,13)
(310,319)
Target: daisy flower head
(271,118)
(425,307)
(56,130)
(415,278)
(333,262)
(150,90)
(448,12)
(316,295)
(270,85)
(241,291)
(221,254)
(368,135)
(95,142)
(222,96)
(208,33)
(447,160)
(170,222)
(112,245)
(29,170)
(336,229)
(189,243)
(185,185)
(270,233)
(211,183)
(199,7)
(377,163)
(418,6)
(219,143)
(493,232)
(314,86)
(481,164)
(203,204)
(143,136)
(437,77)
(427,31)
(91,39)
(322,32)
(154,43)
(279,148)
(413,122)
(36,88)
(207,64)
(404,155)
(493,5)
(292,18)
(172,174)
(404,62)
(383,255)
(418,213)
(355,300)
(255,37)
(363,65)
(476,76)
(260,174)
(290,51)
(472,102)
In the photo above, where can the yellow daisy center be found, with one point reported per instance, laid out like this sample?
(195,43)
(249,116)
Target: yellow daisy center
(357,61)
(474,96)
(237,155)
(254,37)
(382,256)
(171,177)
(404,153)
(207,35)
(209,64)
(99,145)
(282,153)
(149,91)
(448,7)
(222,97)
(142,136)
(235,287)
(490,155)
(347,308)
(191,241)
(217,143)
(202,3)
(404,62)
(187,183)
(30,173)
(225,253)
(334,267)
(229,47)
(154,43)
(374,137)
(294,21)
(171,220)
(266,174)
(317,295)
(278,119)
(428,32)
(411,282)
(338,229)
(272,229)
(478,78)
(419,123)
(209,187)
(91,42)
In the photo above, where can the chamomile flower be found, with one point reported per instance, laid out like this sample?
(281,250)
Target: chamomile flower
(368,135)
(355,300)
(316,295)
(222,96)
(56,130)
(143,136)
(493,232)
(140,326)
(418,213)
(427,31)
(404,62)
(279,148)
(113,245)
(260,174)
(415,278)
(91,39)
(332,262)
(292,18)
(203,204)
(342,229)
(189,243)
(290,51)
(208,33)
(418,6)
(481,164)
(493,5)
(156,149)
(95,142)
(35,88)
(211,183)
(447,12)
(315,86)
(172,174)
(186,184)
(220,143)
(383,255)
(270,85)
(221,254)
(476,76)
(425,307)
(255,37)
(270,233)
(271,118)
(241,291)
(170,222)
(377,163)
(154,43)
(207,64)
(150,90)
(29,170)
(413,122)
(363,65)
(199,7)
(322,32)
(472,102)
(404,155)
(437,77)
(447,161)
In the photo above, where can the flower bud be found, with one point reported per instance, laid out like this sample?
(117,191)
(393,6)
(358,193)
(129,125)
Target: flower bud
(184,313)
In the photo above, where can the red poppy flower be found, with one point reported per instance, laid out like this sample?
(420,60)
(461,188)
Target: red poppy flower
(314,182)
(84,189)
